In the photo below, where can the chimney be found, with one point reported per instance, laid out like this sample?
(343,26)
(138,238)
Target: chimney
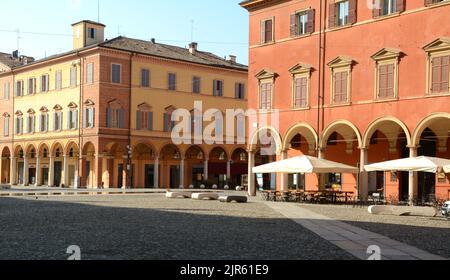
(193,47)
(232,58)
(15,54)
(153,41)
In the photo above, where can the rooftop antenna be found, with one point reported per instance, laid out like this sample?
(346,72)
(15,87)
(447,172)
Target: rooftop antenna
(18,39)
(98,11)
(192,30)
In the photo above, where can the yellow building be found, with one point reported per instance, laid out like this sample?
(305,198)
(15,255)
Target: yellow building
(100,115)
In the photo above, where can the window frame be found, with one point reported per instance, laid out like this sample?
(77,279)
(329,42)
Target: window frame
(266,76)
(169,84)
(112,73)
(90,79)
(147,78)
(22,88)
(46,84)
(58,83)
(438,48)
(196,85)
(300,71)
(341,64)
(216,91)
(263,40)
(33,88)
(385,57)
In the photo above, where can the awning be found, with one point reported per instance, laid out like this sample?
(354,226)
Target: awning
(304,164)
(415,164)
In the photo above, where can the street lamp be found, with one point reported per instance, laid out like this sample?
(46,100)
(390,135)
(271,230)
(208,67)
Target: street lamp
(128,167)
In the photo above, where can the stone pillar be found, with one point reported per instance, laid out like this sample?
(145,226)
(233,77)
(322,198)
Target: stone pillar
(38,172)
(413,179)
(51,172)
(363,175)
(182,165)
(284,177)
(26,170)
(98,171)
(206,172)
(65,179)
(156,178)
(77,179)
(251,176)
(320,177)
(12,171)
(229,169)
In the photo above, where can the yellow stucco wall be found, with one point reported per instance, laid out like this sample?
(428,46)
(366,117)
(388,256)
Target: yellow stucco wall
(49,99)
(159,97)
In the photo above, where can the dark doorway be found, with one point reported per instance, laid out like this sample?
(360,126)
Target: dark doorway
(404,176)
(120,176)
(427,181)
(174,177)
(149,176)
(32,176)
(45,176)
(197,175)
(20,173)
(58,173)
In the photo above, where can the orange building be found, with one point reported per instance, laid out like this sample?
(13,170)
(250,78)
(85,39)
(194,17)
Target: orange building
(355,82)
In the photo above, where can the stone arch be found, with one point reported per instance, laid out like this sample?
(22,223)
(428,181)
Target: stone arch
(306,130)
(170,148)
(70,145)
(344,128)
(144,148)
(217,149)
(54,149)
(192,148)
(431,123)
(374,126)
(41,148)
(275,135)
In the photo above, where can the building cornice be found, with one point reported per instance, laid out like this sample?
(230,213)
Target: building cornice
(252,5)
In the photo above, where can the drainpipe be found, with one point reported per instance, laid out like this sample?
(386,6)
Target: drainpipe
(319,89)
(129,167)
(77,182)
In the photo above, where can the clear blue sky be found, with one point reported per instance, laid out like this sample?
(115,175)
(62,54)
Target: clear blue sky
(220,26)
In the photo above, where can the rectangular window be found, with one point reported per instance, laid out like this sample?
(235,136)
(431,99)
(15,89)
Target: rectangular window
(72,119)
(389,7)
(267,31)
(57,121)
(145,78)
(58,80)
(92,33)
(301,92)
(90,73)
(19,125)
(386,76)
(240,91)
(340,87)
(73,76)
(218,88)
(30,124)
(303,23)
(115,118)
(89,117)
(116,73)
(343,13)
(172,81)
(196,83)
(6,126)
(144,120)
(31,86)
(19,88)
(6,91)
(440,74)
(44,123)
(168,123)
(44,83)
(265,96)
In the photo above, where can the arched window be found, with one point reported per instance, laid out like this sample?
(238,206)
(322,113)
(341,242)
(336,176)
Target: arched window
(58,153)
(45,153)
(33,153)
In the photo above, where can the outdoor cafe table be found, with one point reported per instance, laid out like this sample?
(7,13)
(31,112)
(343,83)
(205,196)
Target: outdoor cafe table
(333,194)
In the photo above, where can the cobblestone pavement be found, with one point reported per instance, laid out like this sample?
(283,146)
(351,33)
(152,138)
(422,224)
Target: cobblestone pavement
(152,227)
(429,234)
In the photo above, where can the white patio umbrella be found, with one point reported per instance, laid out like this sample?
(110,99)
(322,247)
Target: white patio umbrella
(304,164)
(415,164)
